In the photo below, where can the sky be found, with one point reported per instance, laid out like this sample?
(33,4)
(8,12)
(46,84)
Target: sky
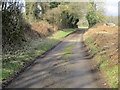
(111,7)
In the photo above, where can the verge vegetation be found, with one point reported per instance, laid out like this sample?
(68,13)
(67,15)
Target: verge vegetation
(102,42)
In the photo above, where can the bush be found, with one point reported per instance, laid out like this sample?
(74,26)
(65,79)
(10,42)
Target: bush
(43,28)
(12,25)
(61,17)
(94,15)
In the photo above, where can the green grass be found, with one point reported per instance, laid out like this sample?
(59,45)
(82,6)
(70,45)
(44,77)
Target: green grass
(102,59)
(67,52)
(12,63)
(111,73)
(83,27)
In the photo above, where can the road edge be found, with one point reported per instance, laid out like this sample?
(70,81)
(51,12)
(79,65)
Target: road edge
(6,82)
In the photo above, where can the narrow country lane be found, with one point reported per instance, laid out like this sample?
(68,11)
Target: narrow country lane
(66,66)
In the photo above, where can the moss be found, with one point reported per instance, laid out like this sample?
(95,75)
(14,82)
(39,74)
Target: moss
(67,52)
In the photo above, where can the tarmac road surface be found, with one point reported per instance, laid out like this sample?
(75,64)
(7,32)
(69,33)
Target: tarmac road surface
(55,71)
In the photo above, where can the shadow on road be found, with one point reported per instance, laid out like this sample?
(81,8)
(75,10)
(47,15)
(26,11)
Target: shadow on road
(44,71)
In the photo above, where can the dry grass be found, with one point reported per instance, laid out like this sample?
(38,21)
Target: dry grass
(43,28)
(106,38)
(102,41)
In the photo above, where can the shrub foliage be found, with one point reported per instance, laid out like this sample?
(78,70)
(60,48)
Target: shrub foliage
(12,24)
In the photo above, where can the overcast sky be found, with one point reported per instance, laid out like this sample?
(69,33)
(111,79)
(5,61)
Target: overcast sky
(111,7)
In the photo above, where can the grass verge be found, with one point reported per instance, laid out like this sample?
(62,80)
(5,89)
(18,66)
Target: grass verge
(13,62)
(102,59)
